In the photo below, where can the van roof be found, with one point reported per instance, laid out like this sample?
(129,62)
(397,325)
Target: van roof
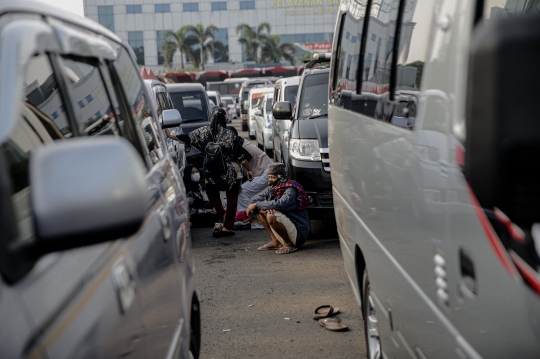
(261,90)
(294,80)
(185,87)
(41,8)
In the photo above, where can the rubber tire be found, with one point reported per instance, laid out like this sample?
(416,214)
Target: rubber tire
(195,331)
(269,153)
(261,147)
(365,291)
(244,127)
(251,137)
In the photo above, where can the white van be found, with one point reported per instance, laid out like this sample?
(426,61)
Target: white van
(434,139)
(263,123)
(255,96)
(285,90)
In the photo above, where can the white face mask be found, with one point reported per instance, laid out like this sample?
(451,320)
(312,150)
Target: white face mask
(195,177)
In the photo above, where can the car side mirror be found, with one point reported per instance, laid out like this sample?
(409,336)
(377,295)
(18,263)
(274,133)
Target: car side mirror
(86,191)
(170,118)
(502,144)
(258,113)
(282,110)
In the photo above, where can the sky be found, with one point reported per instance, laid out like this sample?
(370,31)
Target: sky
(75,6)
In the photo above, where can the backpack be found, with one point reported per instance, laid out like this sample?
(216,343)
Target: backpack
(213,159)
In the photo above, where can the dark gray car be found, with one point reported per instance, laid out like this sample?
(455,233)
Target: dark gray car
(95,253)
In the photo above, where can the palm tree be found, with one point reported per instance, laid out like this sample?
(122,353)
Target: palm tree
(204,37)
(183,43)
(253,39)
(168,48)
(273,51)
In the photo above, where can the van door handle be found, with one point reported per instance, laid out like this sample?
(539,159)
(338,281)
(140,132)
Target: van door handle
(468,275)
(125,285)
(165,223)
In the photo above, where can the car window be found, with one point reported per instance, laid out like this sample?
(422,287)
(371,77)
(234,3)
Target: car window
(90,96)
(345,74)
(314,96)
(290,94)
(228,101)
(192,105)
(43,97)
(269,104)
(135,94)
(494,9)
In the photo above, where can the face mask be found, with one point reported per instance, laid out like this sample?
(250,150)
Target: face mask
(196,177)
(272,184)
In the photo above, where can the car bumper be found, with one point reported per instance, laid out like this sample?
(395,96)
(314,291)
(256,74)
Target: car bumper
(318,186)
(268,138)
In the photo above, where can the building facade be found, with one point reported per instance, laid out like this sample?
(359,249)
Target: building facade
(309,24)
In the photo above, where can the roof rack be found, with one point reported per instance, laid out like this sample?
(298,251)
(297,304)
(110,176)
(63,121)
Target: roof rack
(318,59)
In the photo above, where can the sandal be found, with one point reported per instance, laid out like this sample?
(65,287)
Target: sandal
(286,250)
(223,233)
(325,311)
(335,327)
(266,247)
(325,321)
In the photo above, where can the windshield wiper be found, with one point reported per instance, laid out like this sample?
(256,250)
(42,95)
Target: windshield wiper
(317,115)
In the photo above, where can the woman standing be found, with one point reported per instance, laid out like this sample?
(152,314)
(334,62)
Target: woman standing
(218,137)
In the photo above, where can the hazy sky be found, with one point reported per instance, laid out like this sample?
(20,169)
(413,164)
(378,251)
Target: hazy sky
(75,6)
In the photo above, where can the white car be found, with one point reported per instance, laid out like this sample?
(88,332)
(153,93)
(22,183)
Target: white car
(231,106)
(254,98)
(263,123)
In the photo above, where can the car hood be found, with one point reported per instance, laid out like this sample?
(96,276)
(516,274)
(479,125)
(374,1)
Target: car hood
(313,128)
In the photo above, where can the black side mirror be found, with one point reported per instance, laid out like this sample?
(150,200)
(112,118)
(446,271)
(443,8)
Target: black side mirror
(282,110)
(502,145)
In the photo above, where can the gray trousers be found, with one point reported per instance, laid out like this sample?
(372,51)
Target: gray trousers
(250,189)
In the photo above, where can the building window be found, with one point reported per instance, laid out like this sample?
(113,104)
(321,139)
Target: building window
(221,45)
(191,6)
(162,7)
(133,9)
(219,5)
(136,41)
(247,5)
(106,16)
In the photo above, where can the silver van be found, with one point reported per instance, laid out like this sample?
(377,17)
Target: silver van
(434,138)
(284,90)
(95,247)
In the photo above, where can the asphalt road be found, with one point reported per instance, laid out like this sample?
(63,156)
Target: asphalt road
(257,304)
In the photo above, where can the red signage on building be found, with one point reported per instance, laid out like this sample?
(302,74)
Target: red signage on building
(326,46)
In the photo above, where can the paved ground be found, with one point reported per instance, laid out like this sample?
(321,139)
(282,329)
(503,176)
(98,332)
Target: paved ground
(267,300)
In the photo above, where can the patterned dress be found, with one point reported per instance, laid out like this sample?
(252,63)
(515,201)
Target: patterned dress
(230,148)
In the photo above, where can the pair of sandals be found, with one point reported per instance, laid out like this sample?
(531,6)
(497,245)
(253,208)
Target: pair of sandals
(324,313)
(219,231)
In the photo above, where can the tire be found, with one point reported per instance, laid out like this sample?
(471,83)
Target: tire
(261,147)
(269,153)
(244,127)
(195,331)
(371,329)
(251,137)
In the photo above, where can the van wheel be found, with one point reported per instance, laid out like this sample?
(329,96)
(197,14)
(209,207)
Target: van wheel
(269,153)
(195,332)
(244,127)
(371,325)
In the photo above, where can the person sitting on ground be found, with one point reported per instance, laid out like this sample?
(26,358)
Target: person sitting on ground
(200,210)
(281,209)
(257,163)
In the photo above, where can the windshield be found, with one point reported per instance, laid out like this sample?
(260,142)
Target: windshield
(191,105)
(214,99)
(228,101)
(291,93)
(269,105)
(314,96)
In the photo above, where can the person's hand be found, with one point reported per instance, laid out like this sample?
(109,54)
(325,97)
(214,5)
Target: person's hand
(271,211)
(211,211)
(250,175)
(250,208)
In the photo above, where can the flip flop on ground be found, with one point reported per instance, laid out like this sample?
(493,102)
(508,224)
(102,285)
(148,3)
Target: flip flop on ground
(286,250)
(325,311)
(335,327)
(325,321)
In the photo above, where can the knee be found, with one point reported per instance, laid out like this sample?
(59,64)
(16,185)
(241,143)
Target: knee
(271,218)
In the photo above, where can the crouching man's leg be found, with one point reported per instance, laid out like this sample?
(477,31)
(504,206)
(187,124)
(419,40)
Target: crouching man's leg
(284,230)
(274,243)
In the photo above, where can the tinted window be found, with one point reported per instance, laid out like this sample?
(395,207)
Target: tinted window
(494,9)
(94,113)
(269,105)
(191,105)
(314,96)
(290,94)
(43,97)
(348,54)
(147,133)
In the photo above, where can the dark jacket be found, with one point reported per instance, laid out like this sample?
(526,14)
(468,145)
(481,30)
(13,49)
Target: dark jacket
(286,205)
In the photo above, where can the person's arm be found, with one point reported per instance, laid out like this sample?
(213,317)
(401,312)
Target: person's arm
(246,165)
(287,202)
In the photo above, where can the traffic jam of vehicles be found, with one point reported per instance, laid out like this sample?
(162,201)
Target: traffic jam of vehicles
(413,135)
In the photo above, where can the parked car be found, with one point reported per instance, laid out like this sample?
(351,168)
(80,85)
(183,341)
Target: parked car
(95,252)
(243,97)
(285,90)
(161,101)
(433,151)
(215,97)
(192,102)
(255,103)
(231,106)
(263,123)
(308,155)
